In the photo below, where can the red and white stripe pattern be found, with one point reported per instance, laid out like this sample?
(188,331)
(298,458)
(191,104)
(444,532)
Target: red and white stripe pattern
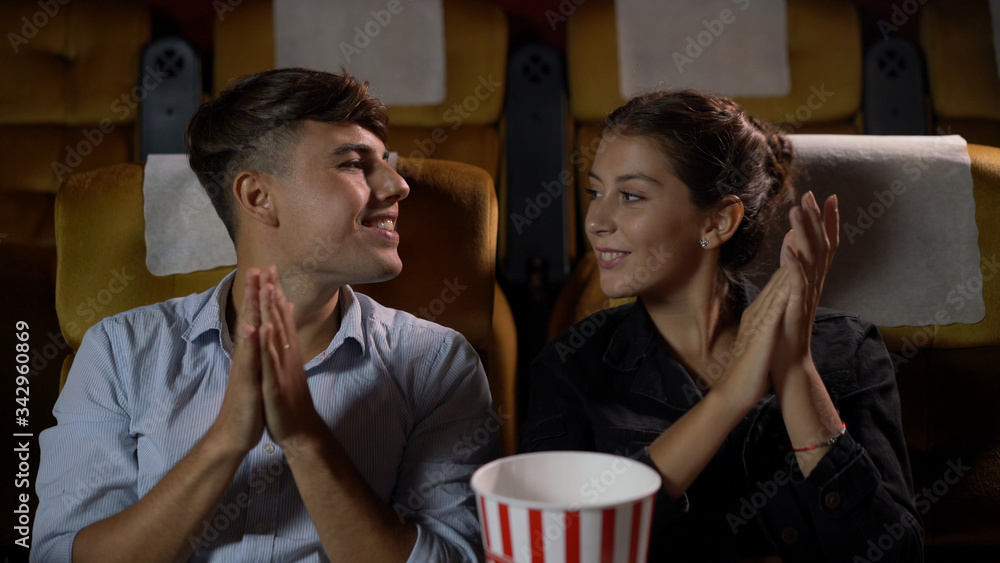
(513,534)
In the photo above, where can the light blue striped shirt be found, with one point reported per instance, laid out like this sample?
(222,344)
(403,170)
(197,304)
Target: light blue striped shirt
(407,399)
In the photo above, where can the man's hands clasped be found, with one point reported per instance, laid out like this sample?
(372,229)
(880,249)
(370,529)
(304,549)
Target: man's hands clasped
(267,383)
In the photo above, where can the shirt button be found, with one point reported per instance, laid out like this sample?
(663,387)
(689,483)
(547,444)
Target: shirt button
(789,536)
(832,500)
(260,529)
(269,448)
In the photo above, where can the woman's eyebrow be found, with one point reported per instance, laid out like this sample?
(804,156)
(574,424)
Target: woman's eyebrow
(636,176)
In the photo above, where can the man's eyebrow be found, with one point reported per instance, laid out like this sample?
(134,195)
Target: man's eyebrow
(352,147)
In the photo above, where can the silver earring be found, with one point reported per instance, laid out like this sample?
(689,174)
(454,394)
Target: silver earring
(267,205)
(703,242)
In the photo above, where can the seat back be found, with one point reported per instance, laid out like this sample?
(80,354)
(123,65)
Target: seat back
(961,69)
(68,100)
(448,246)
(947,376)
(816,28)
(464,127)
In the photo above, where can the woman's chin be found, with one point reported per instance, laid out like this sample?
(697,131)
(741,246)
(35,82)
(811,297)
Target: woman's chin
(613,289)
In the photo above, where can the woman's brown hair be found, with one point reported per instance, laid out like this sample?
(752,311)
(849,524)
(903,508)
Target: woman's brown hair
(717,150)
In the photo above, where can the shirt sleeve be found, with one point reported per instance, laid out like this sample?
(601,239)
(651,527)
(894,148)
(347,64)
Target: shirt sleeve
(858,502)
(457,430)
(88,469)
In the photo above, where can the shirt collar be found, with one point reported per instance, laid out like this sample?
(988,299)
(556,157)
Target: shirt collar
(212,316)
(351,326)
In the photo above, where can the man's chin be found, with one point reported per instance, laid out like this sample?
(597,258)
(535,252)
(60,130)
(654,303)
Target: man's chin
(386,274)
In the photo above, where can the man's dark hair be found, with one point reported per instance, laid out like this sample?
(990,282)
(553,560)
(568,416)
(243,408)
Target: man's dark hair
(257,120)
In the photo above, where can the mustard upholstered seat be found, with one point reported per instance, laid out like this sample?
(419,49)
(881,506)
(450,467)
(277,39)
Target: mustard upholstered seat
(948,382)
(816,28)
(475,53)
(448,242)
(962,70)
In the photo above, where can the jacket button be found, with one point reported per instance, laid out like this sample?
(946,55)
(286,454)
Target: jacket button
(789,536)
(832,500)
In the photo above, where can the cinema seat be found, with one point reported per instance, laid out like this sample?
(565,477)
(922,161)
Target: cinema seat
(962,70)
(948,384)
(102,261)
(816,28)
(476,49)
(63,74)
(64,67)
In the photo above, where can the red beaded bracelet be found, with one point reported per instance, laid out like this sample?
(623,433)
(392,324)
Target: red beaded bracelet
(830,442)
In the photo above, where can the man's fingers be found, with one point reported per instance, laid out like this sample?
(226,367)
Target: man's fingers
(248,313)
(246,355)
(280,323)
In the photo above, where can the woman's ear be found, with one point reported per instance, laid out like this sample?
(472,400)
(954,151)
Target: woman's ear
(722,223)
(252,193)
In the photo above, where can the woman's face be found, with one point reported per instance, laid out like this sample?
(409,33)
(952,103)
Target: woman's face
(641,222)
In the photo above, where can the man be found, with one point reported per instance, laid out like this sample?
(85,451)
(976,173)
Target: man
(173,442)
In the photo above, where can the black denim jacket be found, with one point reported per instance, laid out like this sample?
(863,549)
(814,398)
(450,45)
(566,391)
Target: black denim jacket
(609,385)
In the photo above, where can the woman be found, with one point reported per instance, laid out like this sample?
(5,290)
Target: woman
(774,424)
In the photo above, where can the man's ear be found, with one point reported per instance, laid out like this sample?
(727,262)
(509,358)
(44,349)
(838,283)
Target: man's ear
(252,193)
(721,224)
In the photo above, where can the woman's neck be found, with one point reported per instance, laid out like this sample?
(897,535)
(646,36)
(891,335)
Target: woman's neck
(698,327)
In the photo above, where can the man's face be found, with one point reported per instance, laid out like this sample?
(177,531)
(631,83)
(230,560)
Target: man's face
(337,207)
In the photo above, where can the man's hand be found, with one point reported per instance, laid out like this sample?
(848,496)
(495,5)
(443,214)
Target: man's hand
(240,422)
(291,417)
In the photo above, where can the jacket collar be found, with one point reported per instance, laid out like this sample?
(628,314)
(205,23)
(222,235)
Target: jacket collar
(635,347)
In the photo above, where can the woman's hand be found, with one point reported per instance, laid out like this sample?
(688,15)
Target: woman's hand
(807,252)
(745,381)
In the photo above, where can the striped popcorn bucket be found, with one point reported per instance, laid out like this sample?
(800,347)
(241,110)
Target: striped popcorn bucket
(565,507)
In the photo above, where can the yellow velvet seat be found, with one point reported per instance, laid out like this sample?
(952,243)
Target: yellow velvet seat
(961,69)
(816,28)
(63,75)
(448,238)
(475,52)
(948,382)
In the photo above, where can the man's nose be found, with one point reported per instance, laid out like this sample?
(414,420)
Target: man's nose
(388,184)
